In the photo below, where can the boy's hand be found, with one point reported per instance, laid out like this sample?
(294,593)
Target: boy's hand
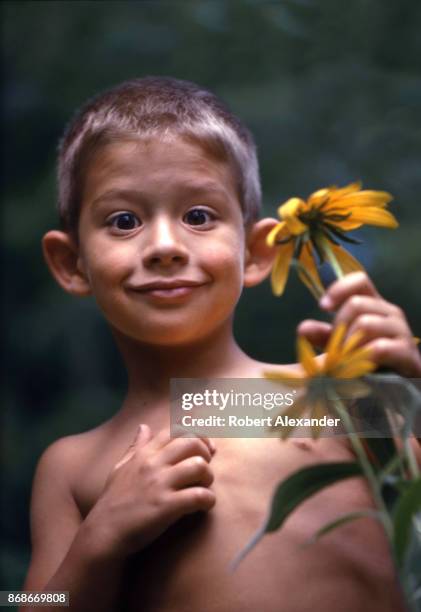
(157,481)
(356,302)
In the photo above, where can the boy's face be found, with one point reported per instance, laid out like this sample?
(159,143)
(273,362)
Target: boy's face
(162,240)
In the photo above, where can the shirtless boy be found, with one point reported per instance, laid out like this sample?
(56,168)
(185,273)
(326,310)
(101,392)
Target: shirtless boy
(159,196)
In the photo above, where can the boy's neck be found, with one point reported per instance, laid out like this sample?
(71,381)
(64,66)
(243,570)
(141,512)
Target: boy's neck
(150,367)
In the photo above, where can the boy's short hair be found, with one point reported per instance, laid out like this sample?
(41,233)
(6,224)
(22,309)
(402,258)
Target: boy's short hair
(155,107)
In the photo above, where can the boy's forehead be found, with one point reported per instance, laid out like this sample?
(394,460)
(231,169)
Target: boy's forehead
(158,164)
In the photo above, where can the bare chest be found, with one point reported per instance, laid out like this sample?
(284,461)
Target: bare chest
(188,568)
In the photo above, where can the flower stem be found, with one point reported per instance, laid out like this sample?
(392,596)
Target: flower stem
(368,471)
(311,283)
(406,453)
(411,460)
(331,257)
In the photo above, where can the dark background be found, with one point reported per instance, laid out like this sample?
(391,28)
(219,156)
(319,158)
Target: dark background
(332,92)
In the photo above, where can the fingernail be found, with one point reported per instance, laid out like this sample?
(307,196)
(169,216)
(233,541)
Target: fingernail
(212,446)
(326,302)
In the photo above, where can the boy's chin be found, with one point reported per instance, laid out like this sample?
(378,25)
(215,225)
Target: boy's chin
(177,336)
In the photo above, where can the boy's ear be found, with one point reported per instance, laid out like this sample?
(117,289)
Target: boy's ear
(259,256)
(63,259)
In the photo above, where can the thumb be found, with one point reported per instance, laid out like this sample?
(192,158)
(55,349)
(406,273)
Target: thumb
(142,436)
(316,332)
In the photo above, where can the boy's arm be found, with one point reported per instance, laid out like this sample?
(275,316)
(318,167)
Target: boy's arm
(158,480)
(66,551)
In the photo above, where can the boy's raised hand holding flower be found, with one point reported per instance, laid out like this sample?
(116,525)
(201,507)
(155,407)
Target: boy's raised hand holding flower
(318,226)
(355,301)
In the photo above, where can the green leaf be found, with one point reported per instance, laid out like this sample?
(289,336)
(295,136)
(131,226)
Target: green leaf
(342,520)
(412,563)
(291,492)
(303,484)
(407,507)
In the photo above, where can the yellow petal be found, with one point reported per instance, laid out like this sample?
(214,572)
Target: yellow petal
(307,260)
(317,198)
(373,216)
(274,234)
(363,352)
(337,194)
(378,199)
(347,262)
(347,225)
(281,267)
(352,342)
(307,356)
(289,213)
(355,369)
(334,342)
(291,208)
(285,374)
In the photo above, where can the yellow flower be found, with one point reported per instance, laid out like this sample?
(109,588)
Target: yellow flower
(317,224)
(343,359)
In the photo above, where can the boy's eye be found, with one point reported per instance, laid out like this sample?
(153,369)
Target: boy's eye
(198,216)
(124,221)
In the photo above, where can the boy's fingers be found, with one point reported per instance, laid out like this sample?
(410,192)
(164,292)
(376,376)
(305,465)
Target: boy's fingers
(193,499)
(164,438)
(209,443)
(358,305)
(377,326)
(183,448)
(316,332)
(340,290)
(182,432)
(194,471)
(161,439)
(396,354)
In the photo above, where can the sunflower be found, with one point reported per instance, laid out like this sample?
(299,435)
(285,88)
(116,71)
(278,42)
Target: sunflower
(317,225)
(343,359)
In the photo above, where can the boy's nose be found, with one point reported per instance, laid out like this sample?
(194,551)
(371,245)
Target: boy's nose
(164,248)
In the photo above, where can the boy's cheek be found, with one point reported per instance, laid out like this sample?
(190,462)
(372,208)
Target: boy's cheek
(226,266)
(227,249)
(102,261)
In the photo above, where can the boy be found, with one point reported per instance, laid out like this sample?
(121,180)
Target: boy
(159,195)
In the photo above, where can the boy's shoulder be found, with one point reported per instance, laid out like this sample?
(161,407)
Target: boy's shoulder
(78,465)
(69,446)
(74,469)
(68,454)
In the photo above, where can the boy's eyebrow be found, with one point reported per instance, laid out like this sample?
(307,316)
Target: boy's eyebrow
(135,195)
(130,195)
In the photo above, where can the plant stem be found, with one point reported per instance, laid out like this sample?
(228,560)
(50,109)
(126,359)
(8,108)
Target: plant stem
(406,453)
(365,465)
(415,403)
(411,460)
(311,283)
(331,257)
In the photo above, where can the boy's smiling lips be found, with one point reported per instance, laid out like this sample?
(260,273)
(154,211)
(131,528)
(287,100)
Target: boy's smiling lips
(165,289)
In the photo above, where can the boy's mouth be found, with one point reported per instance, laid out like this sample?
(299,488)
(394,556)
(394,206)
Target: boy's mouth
(168,289)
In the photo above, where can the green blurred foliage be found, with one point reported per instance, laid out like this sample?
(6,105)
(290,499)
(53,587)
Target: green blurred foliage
(332,92)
